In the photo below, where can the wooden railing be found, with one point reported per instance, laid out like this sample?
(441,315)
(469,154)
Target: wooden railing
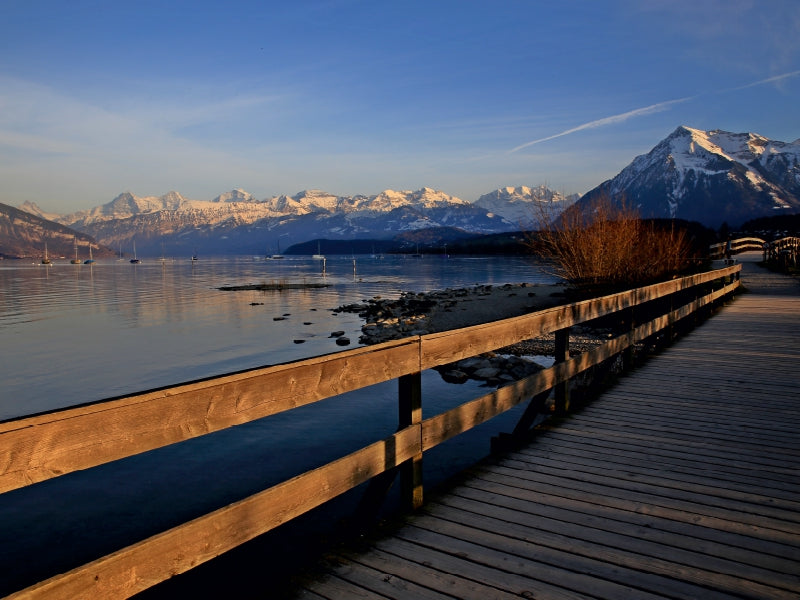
(737,245)
(784,252)
(36,448)
(773,250)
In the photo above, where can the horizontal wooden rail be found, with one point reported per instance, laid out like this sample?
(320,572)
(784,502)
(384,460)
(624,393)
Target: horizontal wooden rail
(36,448)
(771,249)
(737,245)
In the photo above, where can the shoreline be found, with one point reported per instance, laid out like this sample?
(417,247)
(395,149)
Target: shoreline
(452,308)
(444,310)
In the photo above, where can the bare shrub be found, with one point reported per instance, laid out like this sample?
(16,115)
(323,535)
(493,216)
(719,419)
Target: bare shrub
(607,244)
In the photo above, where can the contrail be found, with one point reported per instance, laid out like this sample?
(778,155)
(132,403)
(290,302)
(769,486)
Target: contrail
(767,80)
(646,110)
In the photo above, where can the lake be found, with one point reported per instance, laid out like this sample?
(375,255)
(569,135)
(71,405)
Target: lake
(71,334)
(76,333)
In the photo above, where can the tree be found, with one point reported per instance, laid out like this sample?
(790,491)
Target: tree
(605,244)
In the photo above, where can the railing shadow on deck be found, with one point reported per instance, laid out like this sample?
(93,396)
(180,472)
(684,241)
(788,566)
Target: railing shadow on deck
(36,448)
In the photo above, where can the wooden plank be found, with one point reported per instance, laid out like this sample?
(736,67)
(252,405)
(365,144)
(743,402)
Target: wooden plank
(37,448)
(774,505)
(580,571)
(505,572)
(155,559)
(649,501)
(509,484)
(379,583)
(644,456)
(479,493)
(607,555)
(709,457)
(755,458)
(446,583)
(436,566)
(668,432)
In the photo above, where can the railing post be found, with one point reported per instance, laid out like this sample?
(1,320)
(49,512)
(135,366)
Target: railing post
(410,413)
(629,324)
(562,355)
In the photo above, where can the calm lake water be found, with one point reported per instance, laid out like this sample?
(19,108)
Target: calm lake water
(71,334)
(76,333)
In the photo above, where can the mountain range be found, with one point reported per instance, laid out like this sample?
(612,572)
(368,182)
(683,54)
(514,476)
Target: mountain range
(237,223)
(712,177)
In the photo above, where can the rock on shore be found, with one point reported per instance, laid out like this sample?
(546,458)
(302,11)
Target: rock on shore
(443,310)
(420,313)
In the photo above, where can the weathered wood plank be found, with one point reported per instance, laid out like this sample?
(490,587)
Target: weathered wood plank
(476,563)
(381,584)
(624,559)
(446,583)
(775,505)
(583,572)
(640,456)
(36,448)
(480,493)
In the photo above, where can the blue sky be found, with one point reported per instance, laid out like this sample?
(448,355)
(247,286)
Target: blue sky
(354,97)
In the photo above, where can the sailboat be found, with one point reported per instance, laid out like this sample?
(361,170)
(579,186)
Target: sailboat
(46,259)
(278,255)
(134,260)
(76,260)
(319,255)
(89,260)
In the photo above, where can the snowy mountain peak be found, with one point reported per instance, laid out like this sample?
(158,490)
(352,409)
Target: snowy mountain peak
(235,195)
(34,209)
(524,206)
(711,176)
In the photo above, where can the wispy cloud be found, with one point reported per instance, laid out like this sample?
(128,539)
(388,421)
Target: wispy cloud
(638,112)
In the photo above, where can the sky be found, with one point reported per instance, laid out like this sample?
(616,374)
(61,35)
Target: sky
(99,97)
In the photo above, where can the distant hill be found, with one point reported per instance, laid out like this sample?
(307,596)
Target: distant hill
(23,235)
(777,226)
(435,241)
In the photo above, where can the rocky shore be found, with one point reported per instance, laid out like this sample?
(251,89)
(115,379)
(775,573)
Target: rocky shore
(443,310)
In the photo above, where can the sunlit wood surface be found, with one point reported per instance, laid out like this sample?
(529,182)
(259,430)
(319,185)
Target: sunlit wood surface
(679,482)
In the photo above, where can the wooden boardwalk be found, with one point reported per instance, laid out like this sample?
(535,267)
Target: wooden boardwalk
(679,482)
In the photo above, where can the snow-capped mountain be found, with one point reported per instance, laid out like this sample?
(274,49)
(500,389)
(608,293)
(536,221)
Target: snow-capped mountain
(711,177)
(237,195)
(122,207)
(237,222)
(525,206)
